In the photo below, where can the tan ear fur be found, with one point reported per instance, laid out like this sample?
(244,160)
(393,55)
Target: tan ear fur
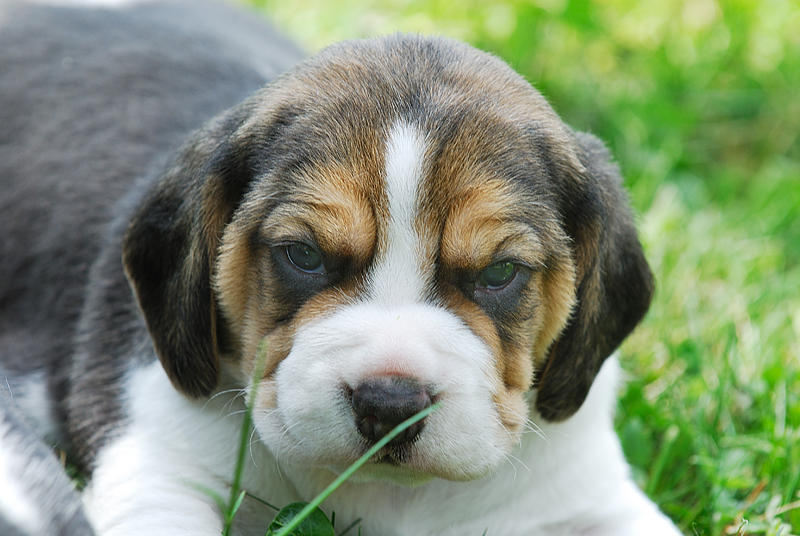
(614,284)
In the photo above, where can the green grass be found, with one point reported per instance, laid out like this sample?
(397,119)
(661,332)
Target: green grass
(700,102)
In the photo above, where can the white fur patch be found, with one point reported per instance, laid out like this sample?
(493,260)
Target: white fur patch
(14,501)
(159,476)
(397,276)
(31,395)
(314,423)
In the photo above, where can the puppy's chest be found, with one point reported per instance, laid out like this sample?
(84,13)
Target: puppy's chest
(493,505)
(385,515)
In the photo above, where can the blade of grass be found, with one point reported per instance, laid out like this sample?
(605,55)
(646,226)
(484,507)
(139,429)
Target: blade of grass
(285,531)
(663,456)
(262,501)
(237,495)
(235,500)
(350,527)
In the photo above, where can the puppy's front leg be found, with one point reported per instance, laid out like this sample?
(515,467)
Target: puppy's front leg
(126,497)
(156,476)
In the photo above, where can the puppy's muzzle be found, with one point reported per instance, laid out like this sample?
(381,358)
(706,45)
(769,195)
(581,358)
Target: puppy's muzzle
(383,402)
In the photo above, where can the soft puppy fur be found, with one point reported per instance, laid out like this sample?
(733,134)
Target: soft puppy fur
(389,224)
(36,497)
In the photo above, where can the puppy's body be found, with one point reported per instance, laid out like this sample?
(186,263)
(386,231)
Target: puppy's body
(94,103)
(397,220)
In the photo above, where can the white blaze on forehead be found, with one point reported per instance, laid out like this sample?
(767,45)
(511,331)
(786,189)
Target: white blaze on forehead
(397,276)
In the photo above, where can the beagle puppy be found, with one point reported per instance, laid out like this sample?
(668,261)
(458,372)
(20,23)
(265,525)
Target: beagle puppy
(195,218)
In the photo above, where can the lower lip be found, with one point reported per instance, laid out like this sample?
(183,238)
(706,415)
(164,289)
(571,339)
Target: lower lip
(388,460)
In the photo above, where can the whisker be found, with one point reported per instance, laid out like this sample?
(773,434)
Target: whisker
(250,446)
(511,458)
(239,393)
(528,425)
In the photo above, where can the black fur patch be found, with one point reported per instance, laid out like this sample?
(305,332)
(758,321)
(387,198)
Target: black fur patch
(615,283)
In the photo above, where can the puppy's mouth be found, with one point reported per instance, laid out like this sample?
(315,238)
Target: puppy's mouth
(391,464)
(398,452)
(395,456)
(387,460)
(398,461)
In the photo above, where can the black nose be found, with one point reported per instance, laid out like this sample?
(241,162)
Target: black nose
(383,402)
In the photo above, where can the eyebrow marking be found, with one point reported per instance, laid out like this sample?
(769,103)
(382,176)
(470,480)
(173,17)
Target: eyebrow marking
(397,276)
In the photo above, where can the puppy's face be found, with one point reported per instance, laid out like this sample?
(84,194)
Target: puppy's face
(401,222)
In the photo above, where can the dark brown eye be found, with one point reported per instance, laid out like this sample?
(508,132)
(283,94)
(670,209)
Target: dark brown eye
(497,275)
(305,258)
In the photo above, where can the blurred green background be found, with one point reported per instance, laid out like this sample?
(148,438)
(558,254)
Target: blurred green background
(699,101)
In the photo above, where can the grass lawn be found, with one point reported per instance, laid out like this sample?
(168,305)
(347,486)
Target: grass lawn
(700,102)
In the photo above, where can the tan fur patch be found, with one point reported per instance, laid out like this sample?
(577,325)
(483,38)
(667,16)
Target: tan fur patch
(479,229)
(331,208)
(558,291)
(332,204)
(278,339)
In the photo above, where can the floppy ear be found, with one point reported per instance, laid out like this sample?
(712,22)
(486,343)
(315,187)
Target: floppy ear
(614,284)
(171,244)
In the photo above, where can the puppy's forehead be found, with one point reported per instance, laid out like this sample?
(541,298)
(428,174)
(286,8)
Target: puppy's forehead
(418,130)
(346,99)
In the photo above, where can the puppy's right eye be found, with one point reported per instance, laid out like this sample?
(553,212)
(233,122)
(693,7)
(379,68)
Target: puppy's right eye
(497,275)
(305,258)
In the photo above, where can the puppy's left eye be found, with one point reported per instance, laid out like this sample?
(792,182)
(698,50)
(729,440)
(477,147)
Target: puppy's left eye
(497,275)
(305,258)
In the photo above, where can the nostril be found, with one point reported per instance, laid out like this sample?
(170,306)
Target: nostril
(383,402)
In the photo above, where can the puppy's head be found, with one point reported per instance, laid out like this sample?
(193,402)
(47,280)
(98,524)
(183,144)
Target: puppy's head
(401,221)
